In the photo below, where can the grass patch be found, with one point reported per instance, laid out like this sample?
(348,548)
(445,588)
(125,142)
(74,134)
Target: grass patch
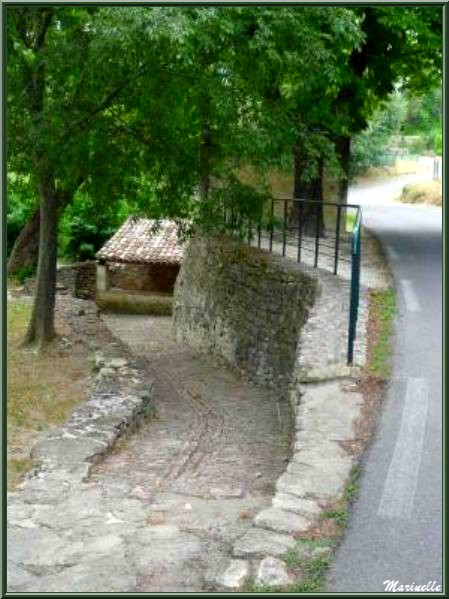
(295,557)
(308,562)
(42,389)
(313,576)
(135,303)
(383,310)
(429,192)
(19,465)
(352,486)
(339,515)
(250,586)
(350,220)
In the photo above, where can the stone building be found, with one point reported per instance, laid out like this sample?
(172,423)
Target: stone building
(141,260)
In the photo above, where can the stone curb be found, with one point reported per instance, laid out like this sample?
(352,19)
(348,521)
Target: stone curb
(316,474)
(65,457)
(333,371)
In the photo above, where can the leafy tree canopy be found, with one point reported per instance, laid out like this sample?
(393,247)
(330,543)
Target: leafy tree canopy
(160,106)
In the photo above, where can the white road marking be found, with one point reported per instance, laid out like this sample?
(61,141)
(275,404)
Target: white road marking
(400,486)
(392,253)
(411,299)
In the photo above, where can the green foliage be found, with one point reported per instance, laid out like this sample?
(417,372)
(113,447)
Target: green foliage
(401,115)
(400,45)
(20,205)
(373,146)
(294,557)
(383,306)
(142,105)
(84,228)
(308,570)
(314,571)
(339,515)
(24,273)
(424,119)
(438,142)
(74,128)
(352,486)
(232,206)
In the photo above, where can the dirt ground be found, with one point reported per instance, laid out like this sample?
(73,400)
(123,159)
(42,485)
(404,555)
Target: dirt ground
(43,388)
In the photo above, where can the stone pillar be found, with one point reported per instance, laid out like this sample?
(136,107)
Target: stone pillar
(103,281)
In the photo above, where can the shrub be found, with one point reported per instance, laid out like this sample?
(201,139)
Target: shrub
(25,273)
(85,226)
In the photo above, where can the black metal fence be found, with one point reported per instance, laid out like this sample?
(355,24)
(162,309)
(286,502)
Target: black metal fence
(324,235)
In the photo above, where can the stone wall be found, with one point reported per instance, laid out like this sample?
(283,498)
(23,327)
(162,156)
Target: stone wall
(79,279)
(244,305)
(144,277)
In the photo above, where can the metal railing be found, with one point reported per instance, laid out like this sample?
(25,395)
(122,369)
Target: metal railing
(356,248)
(325,235)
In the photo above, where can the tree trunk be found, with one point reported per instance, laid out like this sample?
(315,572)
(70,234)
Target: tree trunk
(25,249)
(41,328)
(309,216)
(343,148)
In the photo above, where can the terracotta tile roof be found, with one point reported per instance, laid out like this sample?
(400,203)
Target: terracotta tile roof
(138,243)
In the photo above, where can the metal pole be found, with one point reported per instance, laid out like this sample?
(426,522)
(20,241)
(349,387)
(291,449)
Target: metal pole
(337,240)
(300,219)
(317,233)
(284,233)
(271,226)
(355,289)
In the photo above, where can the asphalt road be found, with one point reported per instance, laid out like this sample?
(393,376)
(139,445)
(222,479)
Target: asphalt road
(395,530)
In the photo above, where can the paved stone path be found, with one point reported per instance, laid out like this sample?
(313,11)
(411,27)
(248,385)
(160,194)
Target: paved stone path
(163,510)
(205,465)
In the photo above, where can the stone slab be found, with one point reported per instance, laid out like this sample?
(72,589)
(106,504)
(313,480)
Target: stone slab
(310,482)
(272,572)
(235,574)
(298,505)
(281,521)
(258,541)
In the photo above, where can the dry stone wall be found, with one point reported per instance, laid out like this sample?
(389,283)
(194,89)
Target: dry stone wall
(244,305)
(79,279)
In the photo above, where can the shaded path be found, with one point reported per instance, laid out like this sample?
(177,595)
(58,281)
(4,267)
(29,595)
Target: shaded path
(201,468)
(163,510)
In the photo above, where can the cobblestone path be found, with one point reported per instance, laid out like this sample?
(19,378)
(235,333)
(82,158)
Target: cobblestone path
(201,468)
